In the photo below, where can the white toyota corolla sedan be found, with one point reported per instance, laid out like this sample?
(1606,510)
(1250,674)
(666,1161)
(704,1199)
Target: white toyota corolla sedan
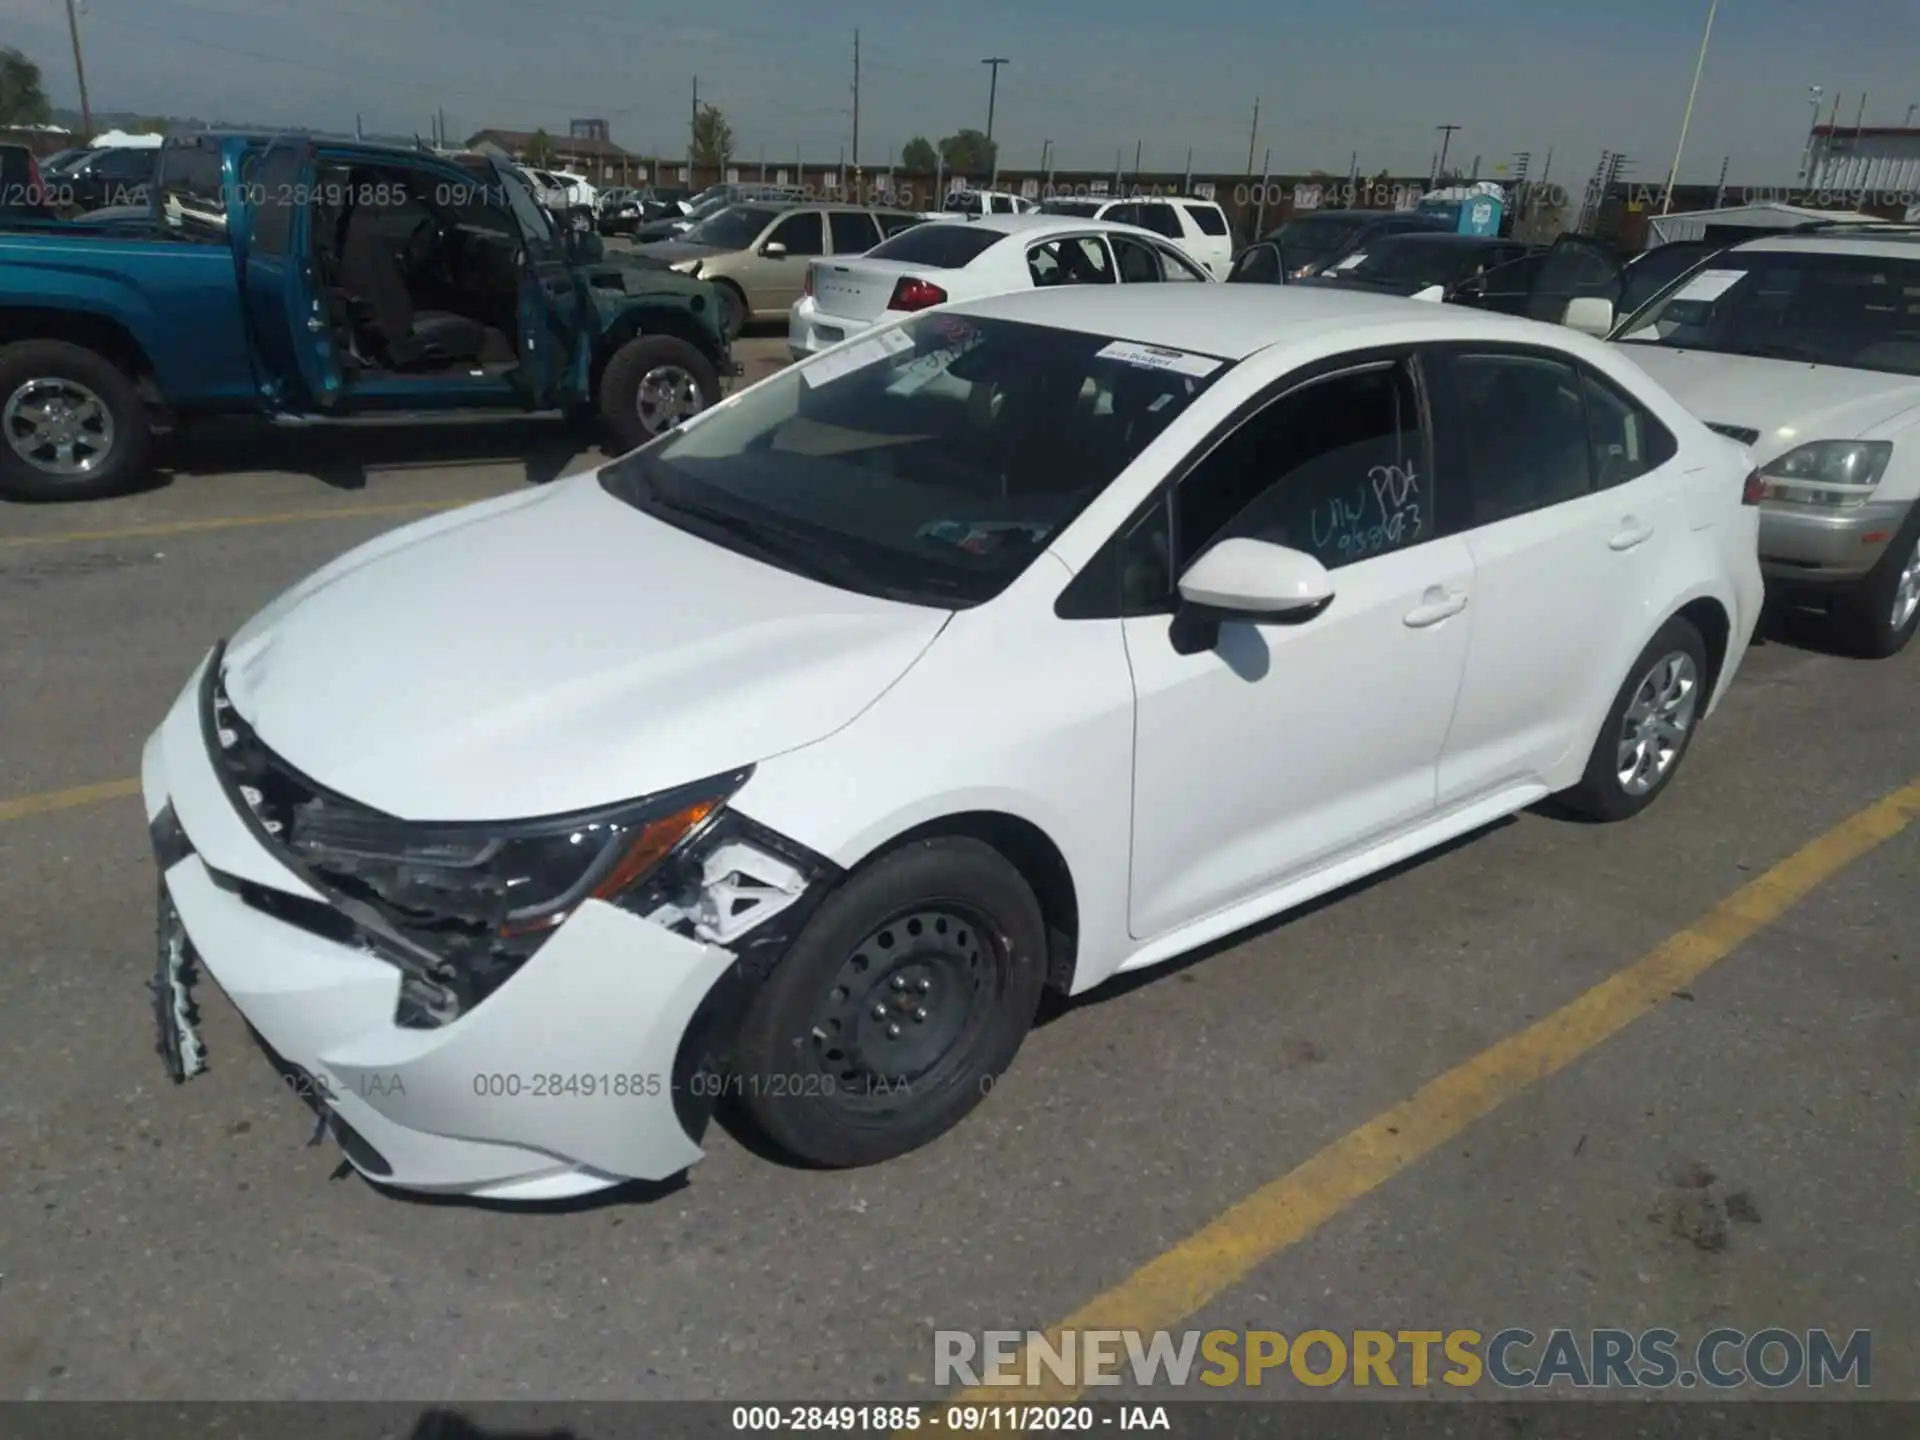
(786,761)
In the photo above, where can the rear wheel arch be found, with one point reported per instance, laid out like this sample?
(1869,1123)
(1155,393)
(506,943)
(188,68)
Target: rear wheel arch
(106,337)
(1710,618)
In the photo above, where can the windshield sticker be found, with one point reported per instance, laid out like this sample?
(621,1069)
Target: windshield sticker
(1710,284)
(831,367)
(982,537)
(1155,357)
(1351,261)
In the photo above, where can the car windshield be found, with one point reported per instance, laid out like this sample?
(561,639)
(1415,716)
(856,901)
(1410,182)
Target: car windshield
(733,228)
(1810,307)
(941,247)
(928,463)
(1311,239)
(1078,209)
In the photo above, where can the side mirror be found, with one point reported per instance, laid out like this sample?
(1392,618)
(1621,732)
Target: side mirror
(1589,314)
(1249,580)
(774,250)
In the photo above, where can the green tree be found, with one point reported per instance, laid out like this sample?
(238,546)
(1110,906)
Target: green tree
(712,137)
(23,101)
(968,153)
(919,154)
(540,151)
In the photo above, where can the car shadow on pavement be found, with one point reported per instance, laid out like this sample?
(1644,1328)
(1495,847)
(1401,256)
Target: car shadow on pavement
(343,459)
(1802,627)
(1054,1006)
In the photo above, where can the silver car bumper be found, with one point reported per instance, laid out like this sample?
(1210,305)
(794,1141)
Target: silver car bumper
(1817,543)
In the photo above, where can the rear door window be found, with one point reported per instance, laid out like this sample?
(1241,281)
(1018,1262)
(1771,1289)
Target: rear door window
(1523,424)
(940,244)
(1207,219)
(1074,260)
(1159,217)
(854,232)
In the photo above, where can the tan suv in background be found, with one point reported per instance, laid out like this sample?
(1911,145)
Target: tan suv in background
(758,253)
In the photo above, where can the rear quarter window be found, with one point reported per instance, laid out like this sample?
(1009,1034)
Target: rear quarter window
(940,246)
(1208,218)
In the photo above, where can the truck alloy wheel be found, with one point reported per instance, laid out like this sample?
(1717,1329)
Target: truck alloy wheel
(667,395)
(72,423)
(654,383)
(58,425)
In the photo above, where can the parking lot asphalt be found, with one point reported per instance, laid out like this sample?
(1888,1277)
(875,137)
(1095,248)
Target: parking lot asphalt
(1348,1078)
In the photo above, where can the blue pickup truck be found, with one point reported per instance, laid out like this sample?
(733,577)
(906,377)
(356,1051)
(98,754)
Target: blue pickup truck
(320,282)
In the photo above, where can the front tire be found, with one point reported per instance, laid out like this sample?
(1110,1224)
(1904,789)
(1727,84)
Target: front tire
(902,1001)
(733,311)
(1648,729)
(72,425)
(654,383)
(1879,616)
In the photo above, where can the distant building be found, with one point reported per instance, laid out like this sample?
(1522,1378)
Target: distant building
(593,156)
(589,130)
(1882,160)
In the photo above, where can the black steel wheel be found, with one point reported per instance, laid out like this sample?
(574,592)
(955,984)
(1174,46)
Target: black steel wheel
(899,1005)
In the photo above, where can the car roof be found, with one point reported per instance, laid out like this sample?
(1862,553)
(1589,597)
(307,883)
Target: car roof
(1235,321)
(1448,237)
(1035,223)
(1896,243)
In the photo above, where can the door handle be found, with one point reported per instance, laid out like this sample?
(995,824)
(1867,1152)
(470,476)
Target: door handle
(1436,605)
(1633,533)
(316,324)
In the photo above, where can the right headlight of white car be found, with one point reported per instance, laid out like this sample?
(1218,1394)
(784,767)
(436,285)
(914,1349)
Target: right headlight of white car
(1828,472)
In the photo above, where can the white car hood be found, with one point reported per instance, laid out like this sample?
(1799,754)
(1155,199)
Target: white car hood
(1787,402)
(552,651)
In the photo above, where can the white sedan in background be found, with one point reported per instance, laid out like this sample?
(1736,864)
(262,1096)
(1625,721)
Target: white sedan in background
(1008,648)
(969,259)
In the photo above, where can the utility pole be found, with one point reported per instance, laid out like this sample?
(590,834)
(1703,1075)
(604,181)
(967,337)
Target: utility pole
(442,112)
(693,128)
(993,63)
(80,73)
(359,132)
(1446,139)
(1136,160)
(1253,135)
(856,114)
(1686,118)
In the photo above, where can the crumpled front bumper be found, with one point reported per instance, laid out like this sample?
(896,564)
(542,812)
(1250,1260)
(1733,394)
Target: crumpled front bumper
(561,1082)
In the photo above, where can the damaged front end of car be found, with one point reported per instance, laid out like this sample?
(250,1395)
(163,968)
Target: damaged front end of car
(460,907)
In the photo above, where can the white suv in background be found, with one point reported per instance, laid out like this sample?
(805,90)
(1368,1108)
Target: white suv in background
(1197,226)
(1806,348)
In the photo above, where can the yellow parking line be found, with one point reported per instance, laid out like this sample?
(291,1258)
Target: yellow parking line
(40,804)
(228,522)
(1173,1287)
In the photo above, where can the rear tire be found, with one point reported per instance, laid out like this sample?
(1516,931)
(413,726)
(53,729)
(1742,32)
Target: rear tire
(652,384)
(1649,727)
(902,1001)
(734,312)
(1878,617)
(64,406)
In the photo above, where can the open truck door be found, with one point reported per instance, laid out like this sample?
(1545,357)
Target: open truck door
(555,343)
(1576,281)
(289,314)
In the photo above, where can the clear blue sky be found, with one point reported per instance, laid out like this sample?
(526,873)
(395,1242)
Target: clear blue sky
(1093,76)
